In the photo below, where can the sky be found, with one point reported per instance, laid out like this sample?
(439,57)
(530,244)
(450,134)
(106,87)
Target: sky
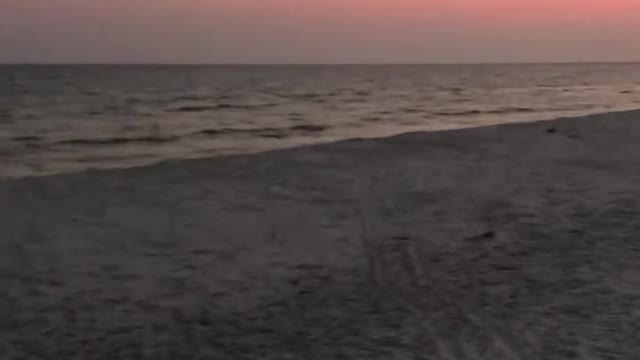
(315,31)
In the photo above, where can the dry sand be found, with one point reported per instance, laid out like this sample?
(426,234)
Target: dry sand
(516,241)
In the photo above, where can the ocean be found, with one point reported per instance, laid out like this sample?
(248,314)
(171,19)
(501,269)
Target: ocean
(57,119)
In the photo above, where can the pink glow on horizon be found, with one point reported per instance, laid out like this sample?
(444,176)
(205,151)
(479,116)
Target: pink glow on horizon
(328,30)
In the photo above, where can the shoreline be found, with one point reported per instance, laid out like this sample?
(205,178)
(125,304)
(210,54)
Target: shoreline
(302,145)
(515,240)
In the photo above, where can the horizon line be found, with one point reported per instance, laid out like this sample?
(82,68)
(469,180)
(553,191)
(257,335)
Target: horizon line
(313,64)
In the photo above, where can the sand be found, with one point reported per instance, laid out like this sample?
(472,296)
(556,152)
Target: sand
(516,241)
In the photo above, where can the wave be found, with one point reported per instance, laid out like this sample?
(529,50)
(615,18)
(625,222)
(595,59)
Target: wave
(371,119)
(510,110)
(357,100)
(26,138)
(190,98)
(309,128)
(194,108)
(458,113)
(311,97)
(202,108)
(268,132)
(120,140)
(361,93)
(411,110)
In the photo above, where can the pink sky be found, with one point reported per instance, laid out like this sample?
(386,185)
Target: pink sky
(310,31)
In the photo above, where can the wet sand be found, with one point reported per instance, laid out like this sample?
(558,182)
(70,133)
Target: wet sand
(515,241)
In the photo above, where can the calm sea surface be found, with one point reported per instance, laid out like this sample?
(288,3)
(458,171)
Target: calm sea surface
(68,118)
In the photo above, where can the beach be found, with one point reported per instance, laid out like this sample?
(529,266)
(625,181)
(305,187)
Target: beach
(514,241)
